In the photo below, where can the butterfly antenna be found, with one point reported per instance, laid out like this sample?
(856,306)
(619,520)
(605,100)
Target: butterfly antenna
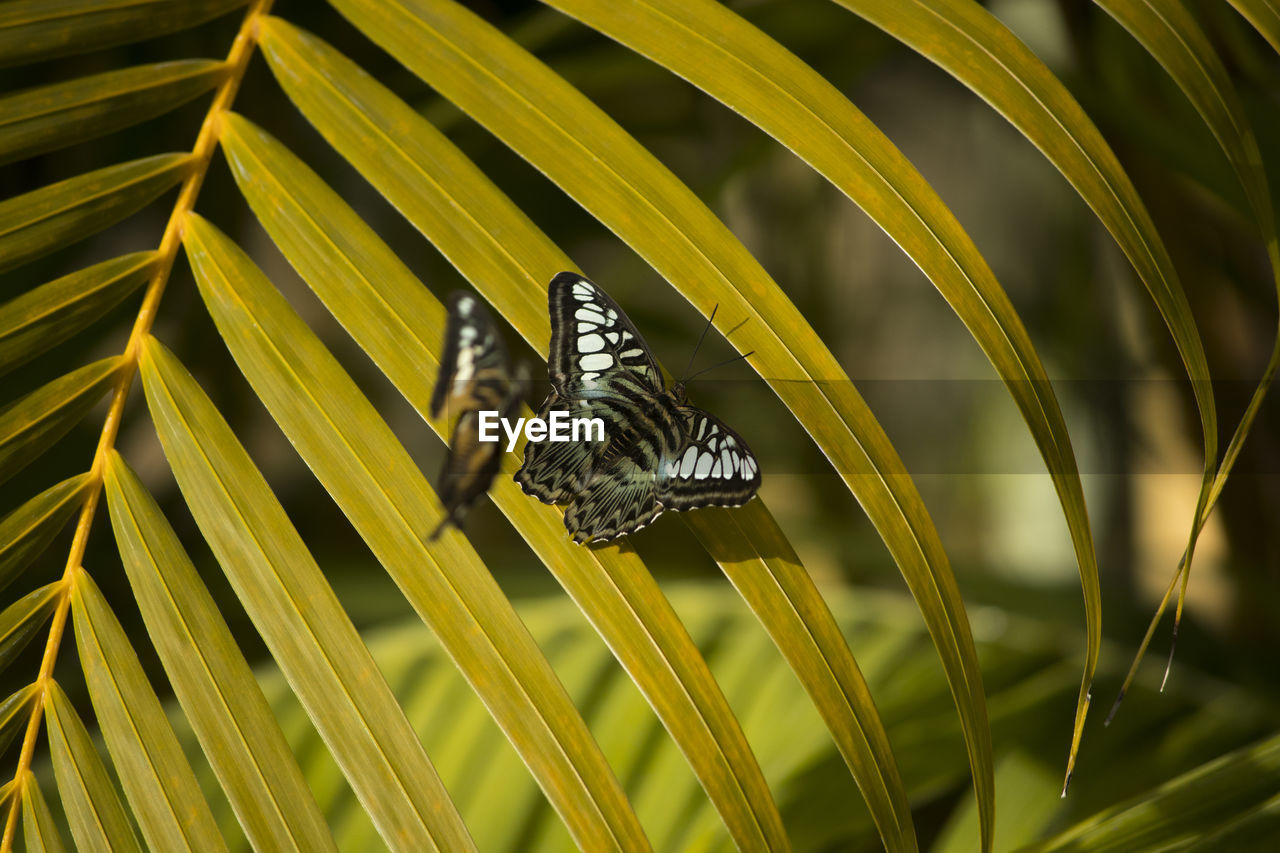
(719,364)
(701,338)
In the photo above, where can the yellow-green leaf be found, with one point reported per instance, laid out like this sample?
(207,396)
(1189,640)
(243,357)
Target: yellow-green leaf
(1265,17)
(393,317)
(28,530)
(210,676)
(51,313)
(97,818)
(38,222)
(298,615)
(484,235)
(979,51)
(373,479)
(496,247)
(42,119)
(21,620)
(1172,36)
(781,593)
(155,775)
(611,175)
(39,829)
(31,425)
(43,29)
(15,712)
(1229,788)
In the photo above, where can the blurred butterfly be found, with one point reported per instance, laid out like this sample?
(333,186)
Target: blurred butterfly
(659,453)
(473,377)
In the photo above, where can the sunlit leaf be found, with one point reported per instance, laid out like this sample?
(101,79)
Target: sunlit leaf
(50,314)
(155,775)
(49,117)
(28,530)
(613,177)
(43,29)
(39,829)
(1265,17)
(397,321)
(97,817)
(498,249)
(31,425)
(38,222)
(1169,32)
(298,615)
(362,464)
(15,712)
(21,620)
(210,677)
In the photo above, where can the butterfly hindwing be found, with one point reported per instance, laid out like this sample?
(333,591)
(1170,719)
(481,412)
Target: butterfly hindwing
(621,499)
(474,376)
(553,472)
(712,467)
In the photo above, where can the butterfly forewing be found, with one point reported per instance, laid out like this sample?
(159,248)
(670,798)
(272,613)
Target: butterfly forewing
(474,377)
(473,367)
(592,340)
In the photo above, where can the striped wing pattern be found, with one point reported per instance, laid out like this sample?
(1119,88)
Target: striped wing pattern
(659,452)
(474,376)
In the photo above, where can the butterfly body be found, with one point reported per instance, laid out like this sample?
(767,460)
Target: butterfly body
(474,377)
(660,452)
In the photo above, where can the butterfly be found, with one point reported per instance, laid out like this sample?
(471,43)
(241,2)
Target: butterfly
(659,452)
(473,377)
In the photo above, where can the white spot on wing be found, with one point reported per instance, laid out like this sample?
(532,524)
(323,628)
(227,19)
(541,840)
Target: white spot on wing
(590,343)
(704,466)
(596,361)
(589,316)
(686,464)
(582,290)
(727,458)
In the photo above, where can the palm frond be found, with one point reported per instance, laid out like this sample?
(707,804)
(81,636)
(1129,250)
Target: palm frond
(511,726)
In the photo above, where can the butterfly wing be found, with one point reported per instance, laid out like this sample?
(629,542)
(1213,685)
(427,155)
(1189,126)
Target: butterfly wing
(473,369)
(592,340)
(597,359)
(660,454)
(473,377)
(712,466)
(553,472)
(619,500)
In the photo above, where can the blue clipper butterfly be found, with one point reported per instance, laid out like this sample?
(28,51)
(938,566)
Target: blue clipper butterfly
(473,377)
(659,453)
